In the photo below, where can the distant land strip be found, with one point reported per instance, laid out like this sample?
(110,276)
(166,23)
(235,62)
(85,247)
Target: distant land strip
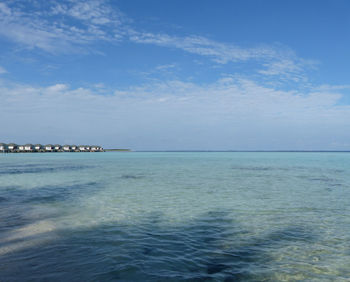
(117,150)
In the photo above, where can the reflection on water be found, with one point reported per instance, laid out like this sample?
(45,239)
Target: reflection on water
(176,216)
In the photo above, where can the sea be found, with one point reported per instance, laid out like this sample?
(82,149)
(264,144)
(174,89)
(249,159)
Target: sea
(175,216)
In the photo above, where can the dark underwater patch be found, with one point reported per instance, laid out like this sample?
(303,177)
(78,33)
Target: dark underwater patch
(322,179)
(12,218)
(261,168)
(331,182)
(215,268)
(254,168)
(44,199)
(129,176)
(25,169)
(46,194)
(335,185)
(3,199)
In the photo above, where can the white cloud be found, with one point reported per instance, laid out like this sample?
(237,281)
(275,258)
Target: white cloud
(165,67)
(57,88)
(4,9)
(228,114)
(2,70)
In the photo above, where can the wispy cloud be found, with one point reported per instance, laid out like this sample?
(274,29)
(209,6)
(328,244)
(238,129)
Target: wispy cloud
(285,68)
(2,70)
(93,12)
(165,67)
(219,52)
(277,61)
(327,87)
(288,68)
(53,29)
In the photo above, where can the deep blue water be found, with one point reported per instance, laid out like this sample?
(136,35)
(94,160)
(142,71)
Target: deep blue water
(225,216)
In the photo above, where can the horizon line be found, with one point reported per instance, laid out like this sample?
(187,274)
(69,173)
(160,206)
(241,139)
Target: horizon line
(245,151)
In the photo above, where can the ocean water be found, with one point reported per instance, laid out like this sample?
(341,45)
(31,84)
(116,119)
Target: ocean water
(225,216)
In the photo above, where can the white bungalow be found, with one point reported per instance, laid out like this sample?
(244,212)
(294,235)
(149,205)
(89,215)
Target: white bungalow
(49,147)
(95,148)
(87,148)
(81,148)
(21,148)
(57,147)
(3,147)
(66,148)
(38,147)
(12,146)
(74,147)
(28,147)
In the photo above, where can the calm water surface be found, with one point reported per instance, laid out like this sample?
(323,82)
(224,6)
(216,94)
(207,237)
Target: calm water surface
(175,216)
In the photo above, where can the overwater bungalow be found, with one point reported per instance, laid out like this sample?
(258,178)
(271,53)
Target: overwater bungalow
(12,147)
(21,148)
(81,148)
(57,147)
(3,147)
(95,148)
(66,148)
(49,148)
(38,147)
(74,147)
(28,147)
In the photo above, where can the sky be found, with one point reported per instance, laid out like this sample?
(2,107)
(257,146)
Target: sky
(176,74)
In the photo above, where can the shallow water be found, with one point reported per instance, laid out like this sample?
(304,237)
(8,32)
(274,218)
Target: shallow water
(175,216)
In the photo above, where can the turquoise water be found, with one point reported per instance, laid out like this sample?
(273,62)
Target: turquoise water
(175,216)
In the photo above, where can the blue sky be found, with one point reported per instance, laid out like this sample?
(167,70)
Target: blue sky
(176,75)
